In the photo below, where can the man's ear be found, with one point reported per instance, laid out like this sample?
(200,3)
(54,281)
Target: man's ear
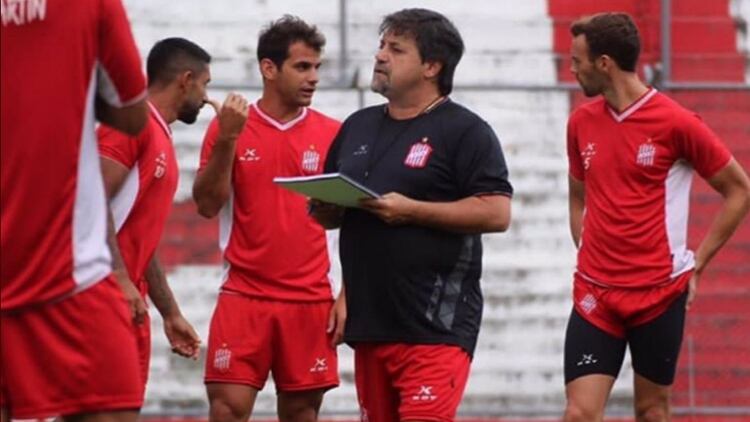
(432,69)
(185,79)
(605,63)
(268,69)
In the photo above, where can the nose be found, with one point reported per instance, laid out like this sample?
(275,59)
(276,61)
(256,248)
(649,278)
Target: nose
(380,55)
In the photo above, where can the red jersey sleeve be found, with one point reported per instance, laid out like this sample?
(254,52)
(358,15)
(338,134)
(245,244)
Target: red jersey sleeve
(700,146)
(575,166)
(121,80)
(118,146)
(209,139)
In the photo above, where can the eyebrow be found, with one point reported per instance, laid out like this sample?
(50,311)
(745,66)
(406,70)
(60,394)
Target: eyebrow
(304,62)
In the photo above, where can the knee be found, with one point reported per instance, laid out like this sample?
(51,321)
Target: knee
(653,412)
(299,407)
(574,412)
(298,414)
(225,411)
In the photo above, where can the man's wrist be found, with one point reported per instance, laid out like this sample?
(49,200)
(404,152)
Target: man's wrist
(700,265)
(170,315)
(227,138)
(412,211)
(121,274)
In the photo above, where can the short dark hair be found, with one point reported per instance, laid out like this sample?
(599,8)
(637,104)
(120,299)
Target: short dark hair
(613,34)
(275,39)
(172,56)
(436,37)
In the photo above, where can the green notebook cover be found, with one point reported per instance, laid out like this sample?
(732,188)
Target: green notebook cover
(334,188)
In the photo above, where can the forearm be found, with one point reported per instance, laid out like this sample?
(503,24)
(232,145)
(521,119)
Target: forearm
(576,205)
(476,214)
(118,264)
(129,119)
(214,183)
(733,210)
(159,291)
(576,222)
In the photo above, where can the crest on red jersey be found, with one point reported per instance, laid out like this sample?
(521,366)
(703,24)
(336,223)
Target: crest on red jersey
(310,160)
(646,153)
(161,166)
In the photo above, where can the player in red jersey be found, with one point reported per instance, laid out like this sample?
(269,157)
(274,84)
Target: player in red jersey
(275,306)
(140,177)
(631,155)
(66,345)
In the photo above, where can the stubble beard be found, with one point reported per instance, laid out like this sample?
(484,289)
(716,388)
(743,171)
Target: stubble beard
(380,85)
(588,89)
(189,115)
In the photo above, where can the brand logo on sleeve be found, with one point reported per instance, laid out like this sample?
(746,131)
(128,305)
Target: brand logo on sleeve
(646,153)
(588,154)
(310,160)
(418,154)
(161,165)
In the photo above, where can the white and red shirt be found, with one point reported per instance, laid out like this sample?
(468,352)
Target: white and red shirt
(57,55)
(637,169)
(272,247)
(141,206)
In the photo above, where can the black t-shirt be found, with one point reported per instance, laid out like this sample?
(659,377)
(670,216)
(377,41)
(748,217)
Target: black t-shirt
(408,283)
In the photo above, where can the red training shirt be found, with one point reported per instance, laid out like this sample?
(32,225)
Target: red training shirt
(636,167)
(56,56)
(142,205)
(272,247)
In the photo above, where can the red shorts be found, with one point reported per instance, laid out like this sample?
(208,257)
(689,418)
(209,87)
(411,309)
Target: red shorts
(615,309)
(397,381)
(74,356)
(249,337)
(142,334)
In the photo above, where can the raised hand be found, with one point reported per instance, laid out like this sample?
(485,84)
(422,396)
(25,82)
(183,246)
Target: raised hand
(231,115)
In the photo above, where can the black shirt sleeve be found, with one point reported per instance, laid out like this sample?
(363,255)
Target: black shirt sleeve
(480,163)
(332,163)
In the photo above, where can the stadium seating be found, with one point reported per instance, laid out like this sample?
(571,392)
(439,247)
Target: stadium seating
(513,53)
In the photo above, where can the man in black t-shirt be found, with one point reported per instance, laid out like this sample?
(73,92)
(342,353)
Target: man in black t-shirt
(412,258)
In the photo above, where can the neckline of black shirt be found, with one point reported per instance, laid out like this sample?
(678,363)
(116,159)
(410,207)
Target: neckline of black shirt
(374,158)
